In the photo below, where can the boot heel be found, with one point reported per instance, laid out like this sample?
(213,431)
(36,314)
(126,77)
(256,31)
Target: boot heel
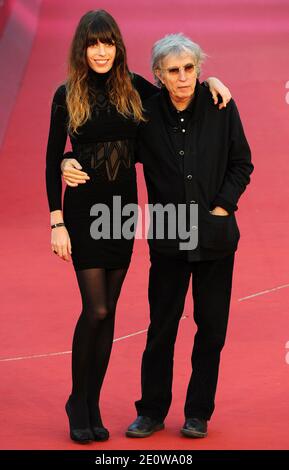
(80,435)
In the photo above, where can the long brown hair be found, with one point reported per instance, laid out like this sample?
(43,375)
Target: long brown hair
(98,25)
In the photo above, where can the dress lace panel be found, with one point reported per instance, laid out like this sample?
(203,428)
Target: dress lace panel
(108,156)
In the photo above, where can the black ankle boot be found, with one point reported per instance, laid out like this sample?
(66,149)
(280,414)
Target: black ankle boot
(79,430)
(100,433)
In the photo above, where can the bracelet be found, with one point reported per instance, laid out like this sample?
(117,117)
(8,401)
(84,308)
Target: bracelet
(60,224)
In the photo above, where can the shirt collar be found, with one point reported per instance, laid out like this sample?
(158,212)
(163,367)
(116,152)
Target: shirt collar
(169,109)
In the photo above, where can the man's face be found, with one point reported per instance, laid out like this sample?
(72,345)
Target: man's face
(178,73)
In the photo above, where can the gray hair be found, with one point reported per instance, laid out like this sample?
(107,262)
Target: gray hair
(175,44)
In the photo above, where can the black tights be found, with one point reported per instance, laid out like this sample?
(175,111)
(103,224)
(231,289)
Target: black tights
(92,341)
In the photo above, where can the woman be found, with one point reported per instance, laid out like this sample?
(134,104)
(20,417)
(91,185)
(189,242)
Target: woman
(100,108)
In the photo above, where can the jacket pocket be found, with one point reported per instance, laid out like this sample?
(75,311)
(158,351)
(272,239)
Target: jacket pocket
(218,232)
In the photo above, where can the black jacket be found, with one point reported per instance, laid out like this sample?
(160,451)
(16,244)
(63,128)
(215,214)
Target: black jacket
(217,168)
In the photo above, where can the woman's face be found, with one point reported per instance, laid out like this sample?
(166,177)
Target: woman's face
(100,56)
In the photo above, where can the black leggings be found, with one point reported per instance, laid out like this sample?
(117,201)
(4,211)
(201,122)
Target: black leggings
(93,338)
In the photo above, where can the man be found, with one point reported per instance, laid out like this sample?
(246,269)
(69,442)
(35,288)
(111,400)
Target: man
(193,154)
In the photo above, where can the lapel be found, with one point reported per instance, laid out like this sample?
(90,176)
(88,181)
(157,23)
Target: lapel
(166,120)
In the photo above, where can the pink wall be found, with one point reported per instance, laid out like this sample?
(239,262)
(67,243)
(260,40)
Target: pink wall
(5,9)
(19,20)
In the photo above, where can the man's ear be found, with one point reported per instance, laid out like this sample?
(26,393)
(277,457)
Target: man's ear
(159,75)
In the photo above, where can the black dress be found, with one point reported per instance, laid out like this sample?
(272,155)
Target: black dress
(104,146)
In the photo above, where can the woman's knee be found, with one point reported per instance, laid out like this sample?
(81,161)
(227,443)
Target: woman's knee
(97,314)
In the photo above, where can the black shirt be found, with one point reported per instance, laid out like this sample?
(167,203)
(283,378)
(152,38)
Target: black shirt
(177,124)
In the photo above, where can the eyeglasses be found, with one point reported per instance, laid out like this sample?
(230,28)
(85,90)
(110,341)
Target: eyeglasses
(174,71)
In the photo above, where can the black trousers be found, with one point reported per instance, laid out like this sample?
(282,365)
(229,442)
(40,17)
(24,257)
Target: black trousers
(168,285)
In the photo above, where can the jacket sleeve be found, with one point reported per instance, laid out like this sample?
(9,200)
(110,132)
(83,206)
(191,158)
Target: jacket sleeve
(145,88)
(55,148)
(239,166)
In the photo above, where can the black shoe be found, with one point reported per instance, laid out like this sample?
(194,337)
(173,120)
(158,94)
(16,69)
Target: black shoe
(144,426)
(81,435)
(195,427)
(100,433)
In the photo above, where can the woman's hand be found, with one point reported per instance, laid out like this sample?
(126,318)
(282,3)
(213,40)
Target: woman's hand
(217,87)
(60,243)
(71,172)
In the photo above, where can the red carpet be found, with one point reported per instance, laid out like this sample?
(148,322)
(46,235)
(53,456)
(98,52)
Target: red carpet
(247,43)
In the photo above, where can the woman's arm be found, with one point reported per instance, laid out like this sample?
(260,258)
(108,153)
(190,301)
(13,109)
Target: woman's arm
(55,147)
(147,89)
(60,242)
(218,88)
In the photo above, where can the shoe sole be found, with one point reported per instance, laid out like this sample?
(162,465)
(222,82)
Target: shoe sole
(159,427)
(82,442)
(188,433)
(102,439)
